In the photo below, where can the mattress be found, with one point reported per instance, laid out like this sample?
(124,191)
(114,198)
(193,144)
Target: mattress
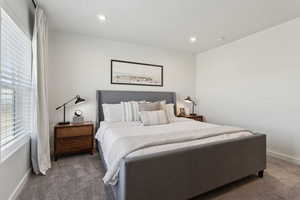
(106,135)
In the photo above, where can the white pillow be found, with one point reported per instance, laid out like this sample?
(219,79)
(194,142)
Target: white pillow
(169,108)
(112,112)
(154,117)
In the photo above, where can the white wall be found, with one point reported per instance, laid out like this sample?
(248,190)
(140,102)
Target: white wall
(17,165)
(255,83)
(13,170)
(22,12)
(80,64)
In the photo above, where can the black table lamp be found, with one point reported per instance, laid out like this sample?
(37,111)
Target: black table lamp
(77,99)
(189,100)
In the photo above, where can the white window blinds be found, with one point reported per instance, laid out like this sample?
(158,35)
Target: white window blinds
(15,84)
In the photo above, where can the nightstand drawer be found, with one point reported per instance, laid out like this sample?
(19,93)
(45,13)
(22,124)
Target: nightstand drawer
(73,145)
(74,131)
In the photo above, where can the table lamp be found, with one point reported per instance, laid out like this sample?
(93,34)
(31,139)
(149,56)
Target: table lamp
(189,100)
(77,99)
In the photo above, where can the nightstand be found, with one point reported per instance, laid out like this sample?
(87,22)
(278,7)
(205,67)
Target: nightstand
(194,117)
(73,138)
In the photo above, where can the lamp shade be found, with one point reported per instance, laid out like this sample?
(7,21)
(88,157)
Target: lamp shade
(79,100)
(188,99)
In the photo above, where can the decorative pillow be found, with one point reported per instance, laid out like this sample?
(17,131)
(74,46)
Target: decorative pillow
(112,112)
(130,111)
(163,102)
(169,108)
(150,106)
(154,117)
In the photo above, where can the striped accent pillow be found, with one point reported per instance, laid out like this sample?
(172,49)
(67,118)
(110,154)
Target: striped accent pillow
(154,117)
(169,108)
(130,111)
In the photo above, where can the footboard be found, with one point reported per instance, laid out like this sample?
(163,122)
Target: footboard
(185,173)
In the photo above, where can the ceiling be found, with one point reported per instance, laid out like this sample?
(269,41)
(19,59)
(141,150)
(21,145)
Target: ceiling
(170,23)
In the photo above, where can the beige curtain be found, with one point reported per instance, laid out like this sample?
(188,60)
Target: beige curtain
(40,140)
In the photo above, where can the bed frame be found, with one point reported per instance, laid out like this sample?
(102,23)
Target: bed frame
(184,173)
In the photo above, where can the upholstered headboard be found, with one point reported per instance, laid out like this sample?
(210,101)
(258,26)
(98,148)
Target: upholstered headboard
(114,97)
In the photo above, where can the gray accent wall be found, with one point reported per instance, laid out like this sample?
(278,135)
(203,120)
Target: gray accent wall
(13,169)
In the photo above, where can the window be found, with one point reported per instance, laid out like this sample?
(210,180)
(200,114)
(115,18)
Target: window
(15,87)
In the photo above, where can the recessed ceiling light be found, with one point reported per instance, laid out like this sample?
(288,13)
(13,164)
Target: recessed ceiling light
(193,39)
(102,18)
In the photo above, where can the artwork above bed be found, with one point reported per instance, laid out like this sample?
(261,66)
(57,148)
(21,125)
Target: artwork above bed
(133,73)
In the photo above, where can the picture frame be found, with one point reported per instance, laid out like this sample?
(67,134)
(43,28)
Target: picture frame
(182,111)
(135,73)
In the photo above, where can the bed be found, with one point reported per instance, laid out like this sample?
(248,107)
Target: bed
(185,172)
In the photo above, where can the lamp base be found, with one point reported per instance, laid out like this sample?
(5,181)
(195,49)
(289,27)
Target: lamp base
(64,123)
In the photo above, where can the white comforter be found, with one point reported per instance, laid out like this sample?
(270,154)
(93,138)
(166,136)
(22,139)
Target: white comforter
(110,133)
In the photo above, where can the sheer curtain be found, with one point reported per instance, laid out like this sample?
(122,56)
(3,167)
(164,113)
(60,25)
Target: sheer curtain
(40,140)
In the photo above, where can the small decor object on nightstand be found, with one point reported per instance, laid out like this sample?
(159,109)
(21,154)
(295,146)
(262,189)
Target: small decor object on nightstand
(78,118)
(181,111)
(77,99)
(189,100)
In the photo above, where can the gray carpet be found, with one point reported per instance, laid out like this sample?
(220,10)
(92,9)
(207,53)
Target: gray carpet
(79,178)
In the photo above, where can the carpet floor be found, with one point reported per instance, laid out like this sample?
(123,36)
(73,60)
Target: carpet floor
(79,178)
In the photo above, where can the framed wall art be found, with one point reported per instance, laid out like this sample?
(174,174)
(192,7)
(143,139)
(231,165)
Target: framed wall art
(134,73)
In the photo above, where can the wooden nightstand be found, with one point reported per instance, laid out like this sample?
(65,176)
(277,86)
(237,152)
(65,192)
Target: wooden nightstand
(194,117)
(73,138)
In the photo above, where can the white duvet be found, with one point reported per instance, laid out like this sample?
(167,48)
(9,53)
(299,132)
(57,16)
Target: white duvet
(110,133)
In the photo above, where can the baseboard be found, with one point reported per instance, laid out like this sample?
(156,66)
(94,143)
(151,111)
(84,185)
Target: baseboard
(20,186)
(284,157)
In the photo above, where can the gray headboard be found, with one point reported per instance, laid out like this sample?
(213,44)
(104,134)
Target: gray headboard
(114,97)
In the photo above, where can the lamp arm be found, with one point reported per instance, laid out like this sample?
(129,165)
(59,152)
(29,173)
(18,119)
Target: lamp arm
(66,103)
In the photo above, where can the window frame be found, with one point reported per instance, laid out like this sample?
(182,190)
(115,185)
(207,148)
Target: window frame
(19,140)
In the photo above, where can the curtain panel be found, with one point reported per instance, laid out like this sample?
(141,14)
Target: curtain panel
(40,139)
